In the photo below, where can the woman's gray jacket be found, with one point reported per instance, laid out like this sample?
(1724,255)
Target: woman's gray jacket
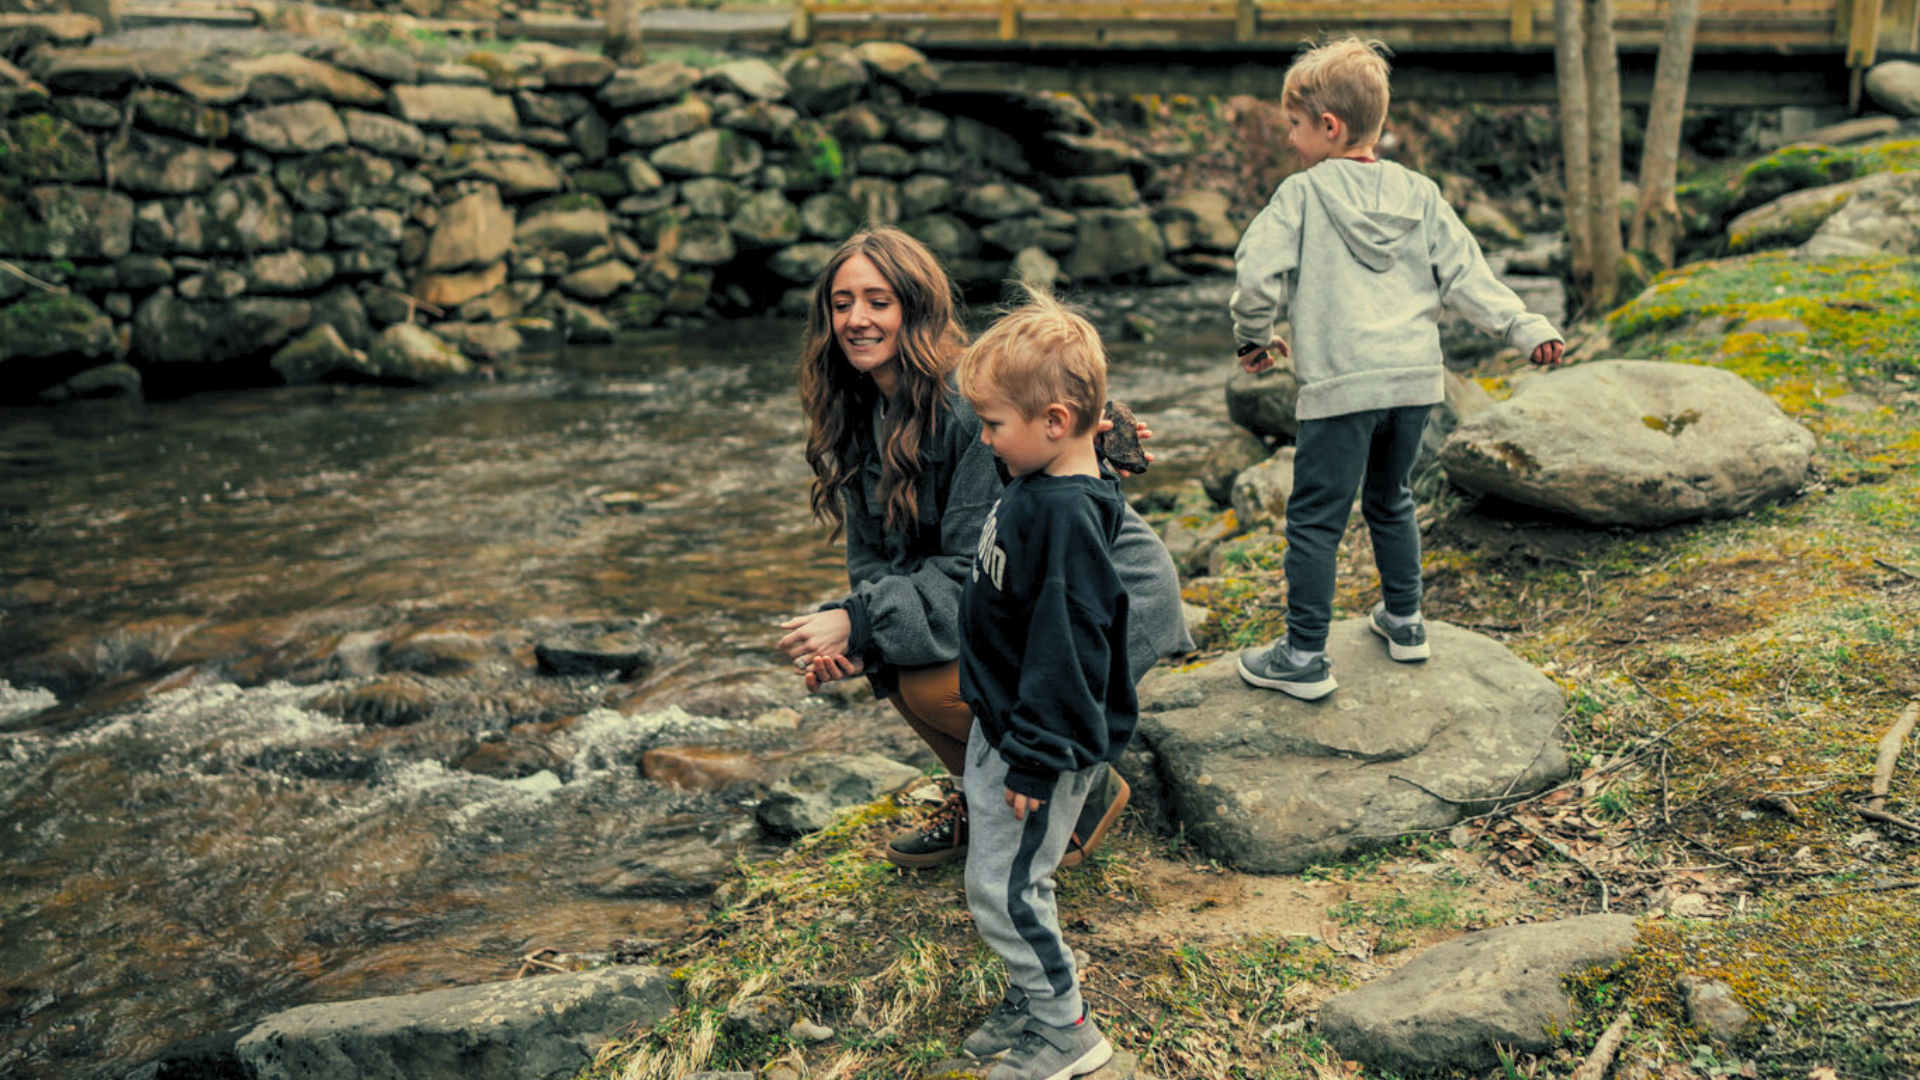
(905,604)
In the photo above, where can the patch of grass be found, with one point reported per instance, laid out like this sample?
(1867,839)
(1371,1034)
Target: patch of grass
(1400,917)
(1859,337)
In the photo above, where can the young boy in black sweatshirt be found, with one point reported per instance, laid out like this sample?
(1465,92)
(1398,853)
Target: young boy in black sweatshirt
(1043,665)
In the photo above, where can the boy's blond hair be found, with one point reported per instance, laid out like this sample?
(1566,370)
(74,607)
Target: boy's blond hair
(1347,78)
(1041,352)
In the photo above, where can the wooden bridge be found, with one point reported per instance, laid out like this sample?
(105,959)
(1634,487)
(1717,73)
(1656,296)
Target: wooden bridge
(1748,52)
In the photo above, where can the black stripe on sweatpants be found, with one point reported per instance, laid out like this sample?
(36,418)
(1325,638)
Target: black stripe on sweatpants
(1045,944)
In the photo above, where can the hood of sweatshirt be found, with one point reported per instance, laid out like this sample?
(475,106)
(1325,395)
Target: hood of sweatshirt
(1373,206)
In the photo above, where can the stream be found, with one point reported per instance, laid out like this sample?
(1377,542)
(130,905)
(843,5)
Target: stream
(205,814)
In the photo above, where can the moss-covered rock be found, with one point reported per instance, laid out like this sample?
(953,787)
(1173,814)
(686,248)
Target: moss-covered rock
(57,222)
(714,152)
(177,115)
(158,165)
(411,353)
(338,179)
(766,220)
(42,148)
(46,325)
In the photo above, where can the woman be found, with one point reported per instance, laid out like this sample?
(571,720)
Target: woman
(898,464)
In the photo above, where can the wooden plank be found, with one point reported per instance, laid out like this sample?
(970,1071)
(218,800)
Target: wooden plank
(1246,15)
(1521,24)
(1863,33)
(1009,19)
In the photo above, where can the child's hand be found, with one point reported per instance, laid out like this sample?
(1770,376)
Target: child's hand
(1258,360)
(1548,354)
(1023,804)
(826,669)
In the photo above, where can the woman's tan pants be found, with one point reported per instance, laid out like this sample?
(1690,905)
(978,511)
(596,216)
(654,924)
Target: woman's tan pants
(929,700)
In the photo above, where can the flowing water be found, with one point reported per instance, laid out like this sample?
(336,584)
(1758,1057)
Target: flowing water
(195,832)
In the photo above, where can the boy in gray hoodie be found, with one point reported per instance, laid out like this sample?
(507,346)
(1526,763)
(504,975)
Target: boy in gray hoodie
(1361,254)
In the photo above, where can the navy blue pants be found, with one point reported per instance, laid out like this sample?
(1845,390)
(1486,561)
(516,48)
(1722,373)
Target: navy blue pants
(1371,453)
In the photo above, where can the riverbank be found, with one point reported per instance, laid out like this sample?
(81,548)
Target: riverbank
(1728,683)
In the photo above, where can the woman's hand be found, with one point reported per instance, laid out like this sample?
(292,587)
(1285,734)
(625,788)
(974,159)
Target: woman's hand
(823,633)
(826,669)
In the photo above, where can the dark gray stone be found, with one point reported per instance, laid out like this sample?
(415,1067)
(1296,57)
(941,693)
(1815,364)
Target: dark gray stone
(1269,784)
(544,1028)
(823,785)
(1449,1006)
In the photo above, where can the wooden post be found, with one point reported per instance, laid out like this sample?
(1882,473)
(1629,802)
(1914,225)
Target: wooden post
(1863,33)
(1520,22)
(1243,20)
(1576,149)
(800,29)
(1009,19)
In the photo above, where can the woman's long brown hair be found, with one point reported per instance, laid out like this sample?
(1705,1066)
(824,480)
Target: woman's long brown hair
(837,399)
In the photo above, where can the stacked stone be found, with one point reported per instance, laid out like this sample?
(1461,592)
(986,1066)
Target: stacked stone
(294,218)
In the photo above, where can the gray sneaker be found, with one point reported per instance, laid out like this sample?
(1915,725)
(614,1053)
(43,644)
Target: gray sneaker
(1001,1029)
(1045,1052)
(1404,643)
(1270,669)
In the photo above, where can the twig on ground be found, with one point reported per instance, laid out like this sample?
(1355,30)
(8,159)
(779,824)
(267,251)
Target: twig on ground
(1890,744)
(1597,1063)
(1901,1004)
(1566,852)
(1123,1003)
(1883,817)
(1746,866)
(30,279)
(1666,809)
(1885,886)
(1613,766)
(1901,570)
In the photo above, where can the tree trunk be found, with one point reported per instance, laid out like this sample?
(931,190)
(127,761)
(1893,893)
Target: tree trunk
(1656,220)
(1571,73)
(1603,119)
(623,32)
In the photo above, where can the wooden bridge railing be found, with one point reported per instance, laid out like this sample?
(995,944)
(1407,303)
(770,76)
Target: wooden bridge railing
(1855,27)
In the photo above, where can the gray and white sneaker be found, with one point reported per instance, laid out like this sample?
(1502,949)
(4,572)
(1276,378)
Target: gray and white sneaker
(1001,1029)
(1045,1052)
(1271,669)
(1406,644)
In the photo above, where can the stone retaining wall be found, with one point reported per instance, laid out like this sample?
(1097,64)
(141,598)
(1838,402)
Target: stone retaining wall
(223,221)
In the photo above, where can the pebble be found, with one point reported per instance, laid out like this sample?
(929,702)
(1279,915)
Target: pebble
(807,1031)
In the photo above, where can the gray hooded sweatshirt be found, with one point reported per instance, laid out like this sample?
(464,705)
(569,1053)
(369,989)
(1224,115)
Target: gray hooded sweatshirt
(1361,256)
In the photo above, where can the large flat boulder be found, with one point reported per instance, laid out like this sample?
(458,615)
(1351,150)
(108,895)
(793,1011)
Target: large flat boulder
(1881,218)
(1269,783)
(546,1028)
(1796,216)
(1632,442)
(1449,1006)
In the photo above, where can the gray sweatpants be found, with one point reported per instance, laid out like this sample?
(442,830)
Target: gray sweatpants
(1010,868)
(1373,451)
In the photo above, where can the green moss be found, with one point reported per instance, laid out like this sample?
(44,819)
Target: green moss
(601,183)
(818,160)
(41,148)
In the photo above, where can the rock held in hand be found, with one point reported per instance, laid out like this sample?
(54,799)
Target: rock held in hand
(1121,444)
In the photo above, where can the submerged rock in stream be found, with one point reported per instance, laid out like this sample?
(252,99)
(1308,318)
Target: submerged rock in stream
(543,1028)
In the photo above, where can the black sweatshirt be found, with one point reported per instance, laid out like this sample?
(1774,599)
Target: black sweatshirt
(1043,617)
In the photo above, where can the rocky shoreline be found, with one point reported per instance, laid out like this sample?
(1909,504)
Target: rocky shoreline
(180,220)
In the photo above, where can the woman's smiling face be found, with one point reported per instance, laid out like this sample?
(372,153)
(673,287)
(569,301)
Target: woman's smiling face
(866,320)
